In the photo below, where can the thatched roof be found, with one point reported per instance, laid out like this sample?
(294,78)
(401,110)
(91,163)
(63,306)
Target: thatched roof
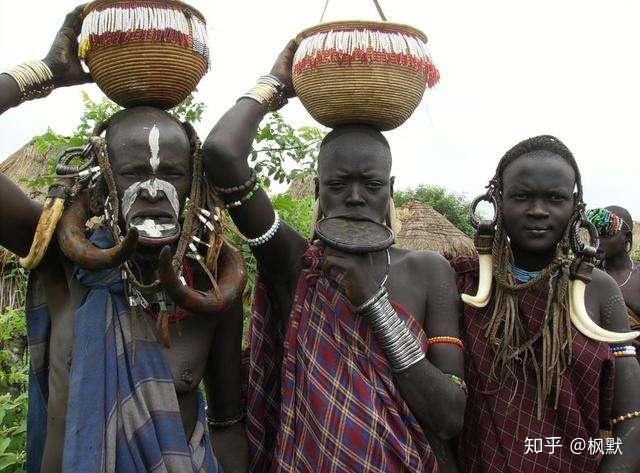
(423,228)
(636,235)
(301,188)
(26,163)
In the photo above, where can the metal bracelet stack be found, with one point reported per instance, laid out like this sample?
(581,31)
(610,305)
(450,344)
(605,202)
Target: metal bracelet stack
(34,79)
(268,235)
(269,91)
(400,346)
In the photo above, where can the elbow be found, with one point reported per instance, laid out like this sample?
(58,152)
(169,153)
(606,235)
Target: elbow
(216,149)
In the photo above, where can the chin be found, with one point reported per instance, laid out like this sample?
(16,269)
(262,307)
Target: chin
(541,245)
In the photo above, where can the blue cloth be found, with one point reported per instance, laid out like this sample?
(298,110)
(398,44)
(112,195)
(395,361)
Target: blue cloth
(123,412)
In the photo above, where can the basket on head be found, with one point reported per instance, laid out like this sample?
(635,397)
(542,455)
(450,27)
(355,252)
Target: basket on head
(362,72)
(144,52)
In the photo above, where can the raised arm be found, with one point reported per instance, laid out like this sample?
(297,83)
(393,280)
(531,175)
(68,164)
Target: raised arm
(225,158)
(61,67)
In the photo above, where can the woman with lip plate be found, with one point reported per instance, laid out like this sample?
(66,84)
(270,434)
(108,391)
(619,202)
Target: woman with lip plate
(539,356)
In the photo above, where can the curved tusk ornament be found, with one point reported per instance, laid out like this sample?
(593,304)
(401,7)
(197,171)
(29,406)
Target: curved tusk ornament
(581,271)
(483,242)
(584,324)
(482,297)
(75,245)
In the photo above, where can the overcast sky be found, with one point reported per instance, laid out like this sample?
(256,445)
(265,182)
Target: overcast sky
(509,70)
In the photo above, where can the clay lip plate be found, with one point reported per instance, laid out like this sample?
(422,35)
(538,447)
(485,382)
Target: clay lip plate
(354,235)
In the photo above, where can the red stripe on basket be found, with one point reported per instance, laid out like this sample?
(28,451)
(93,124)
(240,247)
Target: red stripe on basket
(431,73)
(121,37)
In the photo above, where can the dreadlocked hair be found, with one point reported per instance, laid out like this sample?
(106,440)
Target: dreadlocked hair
(506,331)
(202,196)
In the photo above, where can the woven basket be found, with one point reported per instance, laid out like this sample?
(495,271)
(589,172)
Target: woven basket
(340,84)
(160,71)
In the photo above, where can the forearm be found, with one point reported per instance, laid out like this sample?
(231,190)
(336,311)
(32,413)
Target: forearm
(229,143)
(437,403)
(230,447)
(10,95)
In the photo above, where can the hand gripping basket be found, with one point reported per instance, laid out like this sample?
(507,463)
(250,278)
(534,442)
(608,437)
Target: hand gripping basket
(362,72)
(146,52)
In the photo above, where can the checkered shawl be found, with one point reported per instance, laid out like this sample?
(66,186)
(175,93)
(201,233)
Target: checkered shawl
(122,416)
(324,399)
(500,416)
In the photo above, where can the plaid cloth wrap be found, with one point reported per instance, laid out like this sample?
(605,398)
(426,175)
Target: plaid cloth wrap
(333,405)
(500,417)
(122,416)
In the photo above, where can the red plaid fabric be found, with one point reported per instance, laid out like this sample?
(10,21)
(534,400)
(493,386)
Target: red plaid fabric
(331,404)
(501,416)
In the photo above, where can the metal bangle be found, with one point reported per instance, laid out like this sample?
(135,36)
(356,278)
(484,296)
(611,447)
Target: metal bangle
(400,346)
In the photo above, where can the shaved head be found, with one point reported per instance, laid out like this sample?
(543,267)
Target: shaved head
(348,140)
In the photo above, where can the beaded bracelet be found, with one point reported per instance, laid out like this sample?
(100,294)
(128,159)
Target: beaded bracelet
(215,423)
(245,198)
(630,415)
(444,339)
(266,236)
(245,186)
(620,351)
(459,382)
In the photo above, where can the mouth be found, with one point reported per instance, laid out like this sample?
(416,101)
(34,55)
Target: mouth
(155,230)
(537,232)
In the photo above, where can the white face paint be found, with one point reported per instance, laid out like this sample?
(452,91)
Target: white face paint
(154,145)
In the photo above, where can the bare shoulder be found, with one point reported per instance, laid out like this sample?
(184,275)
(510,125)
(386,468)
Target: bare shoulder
(602,286)
(608,300)
(429,265)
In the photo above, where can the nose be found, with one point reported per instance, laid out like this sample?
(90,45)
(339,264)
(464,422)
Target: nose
(354,198)
(537,210)
(149,197)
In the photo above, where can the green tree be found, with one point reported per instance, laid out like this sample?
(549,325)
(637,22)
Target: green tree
(282,153)
(453,206)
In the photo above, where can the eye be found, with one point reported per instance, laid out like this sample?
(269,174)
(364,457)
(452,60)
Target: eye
(335,185)
(374,186)
(520,196)
(558,198)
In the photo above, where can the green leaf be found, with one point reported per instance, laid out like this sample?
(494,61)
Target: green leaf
(4,443)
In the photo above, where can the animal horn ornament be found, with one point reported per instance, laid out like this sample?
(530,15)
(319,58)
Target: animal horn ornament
(581,273)
(75,245)
(231,280)
(483,241)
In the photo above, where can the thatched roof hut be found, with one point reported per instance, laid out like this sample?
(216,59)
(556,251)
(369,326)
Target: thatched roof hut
(301,188)
(26,163)
(423,228)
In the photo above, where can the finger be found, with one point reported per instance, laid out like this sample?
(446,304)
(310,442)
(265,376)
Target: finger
(292,46)
(74,19)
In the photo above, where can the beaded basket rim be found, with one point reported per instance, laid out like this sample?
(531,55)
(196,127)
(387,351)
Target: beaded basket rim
(356,24)
(100,3)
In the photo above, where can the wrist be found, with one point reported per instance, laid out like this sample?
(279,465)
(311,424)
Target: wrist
(395,338)
(34,79)
(268,91)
